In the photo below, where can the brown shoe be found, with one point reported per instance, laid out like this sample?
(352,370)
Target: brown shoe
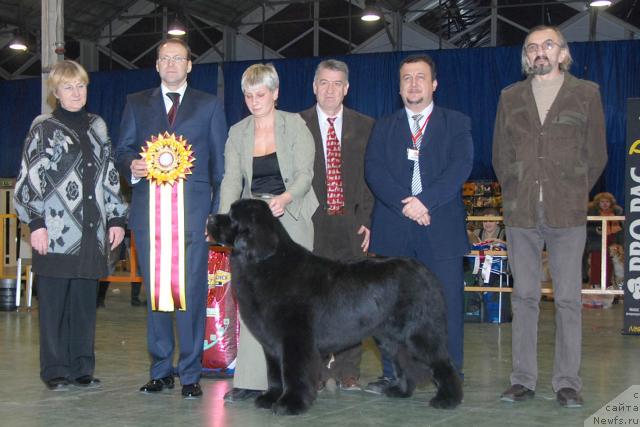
(517,393)
(350,384)
(569,398)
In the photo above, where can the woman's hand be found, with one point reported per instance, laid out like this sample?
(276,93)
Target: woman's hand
(116,234)
(40,240)
(279,203)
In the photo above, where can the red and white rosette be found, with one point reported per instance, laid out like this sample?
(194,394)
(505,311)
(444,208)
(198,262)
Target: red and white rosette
(169,161)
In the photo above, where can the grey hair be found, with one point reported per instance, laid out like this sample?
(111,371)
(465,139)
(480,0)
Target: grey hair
(260,74)
(334,65)
(564,65)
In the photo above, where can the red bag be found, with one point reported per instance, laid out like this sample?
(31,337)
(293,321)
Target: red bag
(222,328)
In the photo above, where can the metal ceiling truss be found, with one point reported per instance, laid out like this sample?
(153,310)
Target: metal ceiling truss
(452,23)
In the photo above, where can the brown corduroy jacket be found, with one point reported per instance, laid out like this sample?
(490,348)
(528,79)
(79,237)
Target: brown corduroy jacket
(565,155)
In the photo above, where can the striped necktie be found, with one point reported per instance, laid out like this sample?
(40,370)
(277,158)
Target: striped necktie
(416,182)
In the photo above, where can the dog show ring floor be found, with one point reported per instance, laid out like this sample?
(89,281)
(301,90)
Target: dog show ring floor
(609,367)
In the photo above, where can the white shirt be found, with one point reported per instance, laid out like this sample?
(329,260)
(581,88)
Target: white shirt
(425,113)
(324,128)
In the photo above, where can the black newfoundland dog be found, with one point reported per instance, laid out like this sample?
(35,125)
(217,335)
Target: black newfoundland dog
(300,307)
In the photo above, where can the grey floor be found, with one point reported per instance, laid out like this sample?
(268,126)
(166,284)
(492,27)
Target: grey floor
(609,367)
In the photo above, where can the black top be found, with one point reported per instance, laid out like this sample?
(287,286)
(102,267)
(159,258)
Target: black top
(266,175)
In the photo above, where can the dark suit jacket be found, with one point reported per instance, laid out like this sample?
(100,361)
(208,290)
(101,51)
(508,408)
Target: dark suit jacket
(201,121)
(446,159)
(356,129)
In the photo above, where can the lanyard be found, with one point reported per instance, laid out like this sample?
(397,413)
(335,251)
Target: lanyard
(414,138)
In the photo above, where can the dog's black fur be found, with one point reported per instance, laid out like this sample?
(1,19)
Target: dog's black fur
(300,306)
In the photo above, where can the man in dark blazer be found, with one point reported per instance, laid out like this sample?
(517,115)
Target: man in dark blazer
(200,120)
(344,234)
(416,162)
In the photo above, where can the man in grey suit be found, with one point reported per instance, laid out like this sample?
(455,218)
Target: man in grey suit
(342,226)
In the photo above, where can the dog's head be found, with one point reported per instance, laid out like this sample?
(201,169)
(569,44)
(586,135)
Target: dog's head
(249,228)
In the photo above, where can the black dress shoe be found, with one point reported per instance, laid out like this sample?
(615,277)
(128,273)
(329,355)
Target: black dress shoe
(136,302)
(240,394)
(191,391)
(155,386)
(87,381)
(58,384)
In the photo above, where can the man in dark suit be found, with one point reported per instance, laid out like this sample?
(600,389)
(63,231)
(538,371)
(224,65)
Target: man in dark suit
(343,232)
(416,162)
(200,120)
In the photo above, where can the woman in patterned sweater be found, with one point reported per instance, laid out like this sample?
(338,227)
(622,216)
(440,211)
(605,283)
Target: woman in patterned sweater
(68,192)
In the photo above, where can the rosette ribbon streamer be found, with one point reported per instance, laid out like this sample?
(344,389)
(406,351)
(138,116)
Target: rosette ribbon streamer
(169,160)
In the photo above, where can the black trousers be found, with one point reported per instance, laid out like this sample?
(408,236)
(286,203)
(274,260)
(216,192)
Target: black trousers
(67,311)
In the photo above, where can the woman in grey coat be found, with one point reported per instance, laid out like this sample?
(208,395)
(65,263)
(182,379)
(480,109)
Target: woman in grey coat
(268,155)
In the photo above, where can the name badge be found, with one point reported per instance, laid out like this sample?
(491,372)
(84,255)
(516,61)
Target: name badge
(412,154)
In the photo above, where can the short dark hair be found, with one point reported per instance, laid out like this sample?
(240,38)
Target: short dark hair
(420,58)
(174,40)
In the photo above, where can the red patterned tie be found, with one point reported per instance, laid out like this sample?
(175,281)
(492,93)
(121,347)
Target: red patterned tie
(335,195)
(175,98)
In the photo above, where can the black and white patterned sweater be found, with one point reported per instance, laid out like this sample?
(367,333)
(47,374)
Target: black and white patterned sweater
(68,184)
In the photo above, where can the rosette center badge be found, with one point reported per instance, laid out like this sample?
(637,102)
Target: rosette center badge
(169,158)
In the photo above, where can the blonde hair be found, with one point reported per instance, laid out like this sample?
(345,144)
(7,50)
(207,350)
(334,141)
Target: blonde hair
(66,71)
(260,74)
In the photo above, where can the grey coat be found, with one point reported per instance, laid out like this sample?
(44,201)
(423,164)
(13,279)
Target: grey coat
(295,152)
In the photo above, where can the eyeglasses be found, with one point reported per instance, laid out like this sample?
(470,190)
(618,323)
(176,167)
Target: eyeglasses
(546,45)
(175,59)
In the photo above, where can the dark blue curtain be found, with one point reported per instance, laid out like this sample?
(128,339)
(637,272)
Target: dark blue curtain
(108,90)
(469,80)
(19,104)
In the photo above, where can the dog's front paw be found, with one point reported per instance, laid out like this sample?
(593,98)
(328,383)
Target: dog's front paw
(290,405)
(266,400)
(440,402)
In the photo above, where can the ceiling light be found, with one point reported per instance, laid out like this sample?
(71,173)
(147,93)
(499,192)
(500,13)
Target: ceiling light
(176,28)
(600,3)
(370,14)
(18,43)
